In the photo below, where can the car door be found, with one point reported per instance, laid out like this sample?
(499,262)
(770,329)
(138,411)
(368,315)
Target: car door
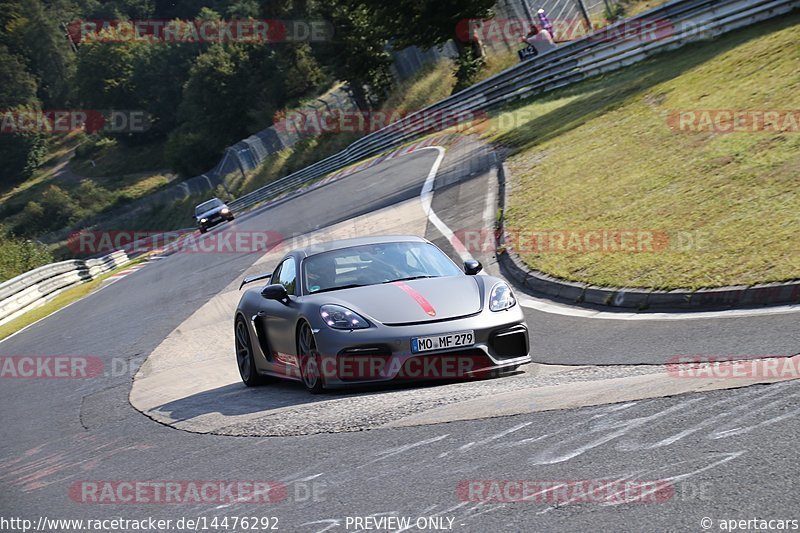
(279,318)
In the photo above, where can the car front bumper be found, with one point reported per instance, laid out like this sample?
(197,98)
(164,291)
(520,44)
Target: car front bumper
(383,353)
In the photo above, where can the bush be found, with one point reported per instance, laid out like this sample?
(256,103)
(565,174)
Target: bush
(56,209)
(20,255)
(467,70)
(91,197)
(190,153)
(93,145)
(21,154)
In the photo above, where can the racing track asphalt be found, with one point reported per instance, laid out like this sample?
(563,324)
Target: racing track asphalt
(730,453)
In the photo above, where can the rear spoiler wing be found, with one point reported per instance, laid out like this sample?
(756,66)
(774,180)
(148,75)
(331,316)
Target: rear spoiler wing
(251,279)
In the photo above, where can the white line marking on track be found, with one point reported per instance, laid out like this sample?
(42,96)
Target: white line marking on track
(426,198)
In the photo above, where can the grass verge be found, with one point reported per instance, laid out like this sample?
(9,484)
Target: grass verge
(600,155)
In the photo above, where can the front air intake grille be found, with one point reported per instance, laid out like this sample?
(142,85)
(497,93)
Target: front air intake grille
(509,343)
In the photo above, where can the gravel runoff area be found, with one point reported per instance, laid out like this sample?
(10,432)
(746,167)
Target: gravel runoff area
(373,408)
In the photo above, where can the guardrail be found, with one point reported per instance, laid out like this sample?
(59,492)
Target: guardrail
(611,48)
(32,289)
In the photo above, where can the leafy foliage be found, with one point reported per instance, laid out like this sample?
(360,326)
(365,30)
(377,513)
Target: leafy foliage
(19,255)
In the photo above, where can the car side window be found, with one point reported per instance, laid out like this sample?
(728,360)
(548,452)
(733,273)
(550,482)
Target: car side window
(287,275)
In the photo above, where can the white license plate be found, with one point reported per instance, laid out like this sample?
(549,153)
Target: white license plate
(442,342)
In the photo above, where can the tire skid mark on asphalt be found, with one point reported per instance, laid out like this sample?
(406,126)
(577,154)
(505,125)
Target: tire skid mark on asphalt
(385,454)
(39,468)
(669,480)
(601,488)
(593,435)
(746,408)
(494,437)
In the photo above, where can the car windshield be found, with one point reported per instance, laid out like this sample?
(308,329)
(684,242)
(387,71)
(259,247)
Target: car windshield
(373,264)
(207,206)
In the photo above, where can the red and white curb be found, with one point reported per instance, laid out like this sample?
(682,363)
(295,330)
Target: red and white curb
(122,273)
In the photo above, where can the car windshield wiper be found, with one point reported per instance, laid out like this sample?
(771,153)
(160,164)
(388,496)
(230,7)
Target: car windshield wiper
(409,278)
(352,285)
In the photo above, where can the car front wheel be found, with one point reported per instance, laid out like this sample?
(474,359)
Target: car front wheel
(310,370)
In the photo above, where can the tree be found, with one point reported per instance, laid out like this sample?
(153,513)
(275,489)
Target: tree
(17,85)
(105,74)
(33,32)
(358,53)
(21,153)
(215,100)
(429,23)
(159,75)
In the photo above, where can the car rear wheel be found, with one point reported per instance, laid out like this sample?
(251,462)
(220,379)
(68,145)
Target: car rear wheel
(244,355)
(310,370)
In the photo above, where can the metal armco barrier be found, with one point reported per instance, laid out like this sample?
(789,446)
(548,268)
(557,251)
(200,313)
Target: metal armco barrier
(33,288)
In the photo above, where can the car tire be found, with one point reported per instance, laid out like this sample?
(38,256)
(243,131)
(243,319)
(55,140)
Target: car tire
(203,230)
(245,360)
(308,357)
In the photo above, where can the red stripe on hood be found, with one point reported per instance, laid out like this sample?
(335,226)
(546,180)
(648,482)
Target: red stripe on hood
(420,299)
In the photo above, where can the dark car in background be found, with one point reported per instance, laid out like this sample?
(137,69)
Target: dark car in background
(210,213)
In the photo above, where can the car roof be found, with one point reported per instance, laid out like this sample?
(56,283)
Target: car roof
(318,248)
(209,201)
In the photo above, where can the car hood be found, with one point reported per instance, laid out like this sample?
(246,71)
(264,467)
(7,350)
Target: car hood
(422,300)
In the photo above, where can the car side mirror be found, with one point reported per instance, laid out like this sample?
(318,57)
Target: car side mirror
(472,267)
(275,291)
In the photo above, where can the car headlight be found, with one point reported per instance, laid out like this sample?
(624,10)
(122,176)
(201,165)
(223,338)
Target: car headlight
(225,211)
(203,220)
(501,298)
(339,317)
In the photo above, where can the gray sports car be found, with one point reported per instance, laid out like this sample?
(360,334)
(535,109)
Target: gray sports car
(376,309)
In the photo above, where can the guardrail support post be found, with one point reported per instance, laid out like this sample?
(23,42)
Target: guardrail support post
(585,13)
